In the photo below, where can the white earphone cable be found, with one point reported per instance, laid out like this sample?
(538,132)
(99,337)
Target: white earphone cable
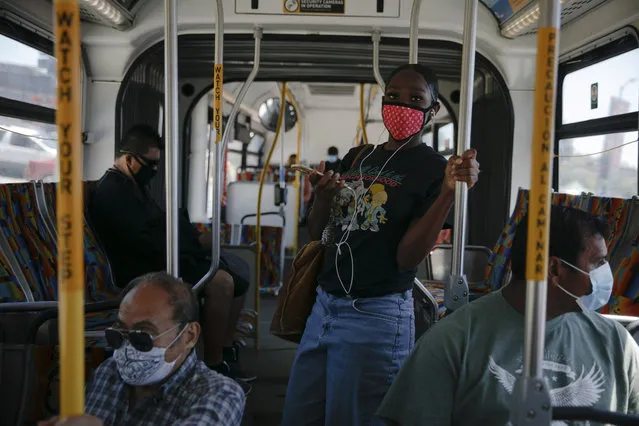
(358,200)
(357,205)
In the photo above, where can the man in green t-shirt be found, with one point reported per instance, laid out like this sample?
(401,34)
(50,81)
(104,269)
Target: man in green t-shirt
(462,371)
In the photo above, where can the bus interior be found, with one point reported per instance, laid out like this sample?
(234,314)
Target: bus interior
(332,57)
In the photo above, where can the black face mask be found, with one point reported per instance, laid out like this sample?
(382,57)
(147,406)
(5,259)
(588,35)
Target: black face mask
(146,172)
(144,176)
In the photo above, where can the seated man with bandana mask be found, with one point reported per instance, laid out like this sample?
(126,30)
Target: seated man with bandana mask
(462,371)
(132,227)
(154,377)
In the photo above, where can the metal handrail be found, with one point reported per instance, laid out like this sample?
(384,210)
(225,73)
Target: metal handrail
(457,291)
(414,32)
(172,135)
(377,37)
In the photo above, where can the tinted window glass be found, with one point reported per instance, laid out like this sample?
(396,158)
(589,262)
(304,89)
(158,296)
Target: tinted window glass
(605,165)
(26,74)
(605,89)
(22,158)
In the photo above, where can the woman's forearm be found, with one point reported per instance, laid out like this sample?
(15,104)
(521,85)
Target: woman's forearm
(421,237)
(318,219)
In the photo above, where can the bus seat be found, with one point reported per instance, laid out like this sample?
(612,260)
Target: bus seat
(26,234)
(438,268)
(624,259)
(34,249)
(499,263)
(271,274)
(439,261)
(247,324)
(445,237)
(10,288)
(426,308)
(622,217)
(99,280)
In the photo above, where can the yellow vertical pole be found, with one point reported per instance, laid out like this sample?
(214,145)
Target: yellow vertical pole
(298,174)
(281,123)
(362,118)
(70,208)
(532,403)
(539,205)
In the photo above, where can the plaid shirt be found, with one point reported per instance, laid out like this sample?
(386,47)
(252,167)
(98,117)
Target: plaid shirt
(193,396)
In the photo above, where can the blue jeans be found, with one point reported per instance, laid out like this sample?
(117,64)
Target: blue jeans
(350,353)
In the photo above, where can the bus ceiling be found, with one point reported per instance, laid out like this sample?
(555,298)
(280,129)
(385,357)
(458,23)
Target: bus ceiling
(514,20)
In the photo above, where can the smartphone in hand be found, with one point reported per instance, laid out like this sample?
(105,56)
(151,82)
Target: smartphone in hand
(306,170)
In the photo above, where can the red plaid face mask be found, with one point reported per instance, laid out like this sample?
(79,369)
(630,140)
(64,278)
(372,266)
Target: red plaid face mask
(403,121)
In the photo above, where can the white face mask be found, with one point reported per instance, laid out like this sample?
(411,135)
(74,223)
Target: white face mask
(332,158)
(144,368)
(601,280)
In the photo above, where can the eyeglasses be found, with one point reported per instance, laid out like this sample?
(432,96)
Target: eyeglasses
(143,160)
(151,163)
(140,340)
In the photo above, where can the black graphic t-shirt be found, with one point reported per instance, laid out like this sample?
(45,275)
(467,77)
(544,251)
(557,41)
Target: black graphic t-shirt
(404,191)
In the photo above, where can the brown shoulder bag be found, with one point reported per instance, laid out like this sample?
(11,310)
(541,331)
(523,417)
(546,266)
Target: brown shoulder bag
(297,297)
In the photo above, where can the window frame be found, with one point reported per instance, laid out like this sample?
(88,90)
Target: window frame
(18,109)
(619,42)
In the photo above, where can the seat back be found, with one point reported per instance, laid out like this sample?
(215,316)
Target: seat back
(439,262)
(622,217)
(426,308)
(99,280)
(271,269)
(33,248)
(11,290)
(498,268)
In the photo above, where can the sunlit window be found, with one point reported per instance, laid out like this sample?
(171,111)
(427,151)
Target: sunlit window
(26,74)
(427,138)
(597,146)
(604,165)
(605,89)
(446,139)
(28,151)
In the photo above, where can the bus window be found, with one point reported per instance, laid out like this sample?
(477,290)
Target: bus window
(233,164)
(28,150)
(26,74)
(427,138)
(612,173)
(596,138)
(605,89)
(446,139)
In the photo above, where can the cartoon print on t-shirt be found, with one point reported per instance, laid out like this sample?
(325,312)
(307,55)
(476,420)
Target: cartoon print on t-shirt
(370,212)
(571,389)
(374,210)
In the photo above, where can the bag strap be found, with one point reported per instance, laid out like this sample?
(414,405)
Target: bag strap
(359,155)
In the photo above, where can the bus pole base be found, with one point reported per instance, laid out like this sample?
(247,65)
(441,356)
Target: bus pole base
(456,292)
(531,403)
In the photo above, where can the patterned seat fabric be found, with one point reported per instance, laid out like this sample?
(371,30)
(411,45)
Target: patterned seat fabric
(98,278)
(622,217)
(270,274)
(35,250)
(9,288)
(499,262)
(33,247)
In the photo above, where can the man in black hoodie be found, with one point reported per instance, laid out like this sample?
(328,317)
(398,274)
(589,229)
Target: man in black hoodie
(132,227)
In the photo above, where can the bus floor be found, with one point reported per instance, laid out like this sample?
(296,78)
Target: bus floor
(272,364)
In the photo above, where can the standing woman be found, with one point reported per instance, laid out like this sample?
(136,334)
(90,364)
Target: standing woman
(378,218)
